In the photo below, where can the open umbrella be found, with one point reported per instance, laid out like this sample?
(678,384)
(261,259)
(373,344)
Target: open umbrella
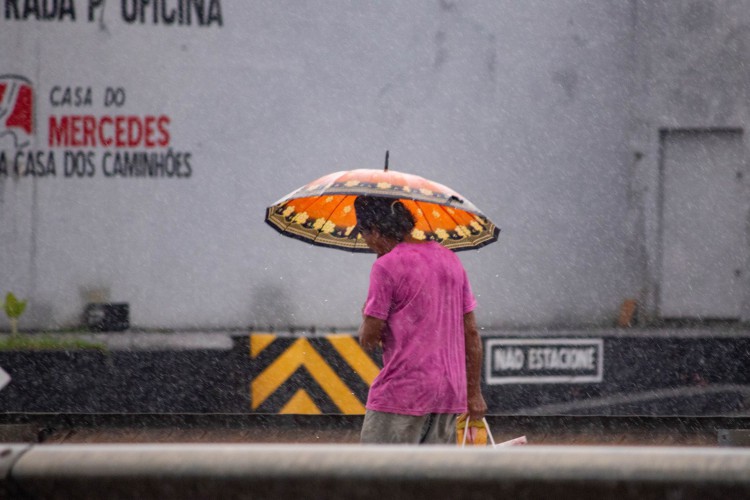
(322,211)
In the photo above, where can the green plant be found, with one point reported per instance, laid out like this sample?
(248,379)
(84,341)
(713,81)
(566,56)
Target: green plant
(14,308)
(47,343)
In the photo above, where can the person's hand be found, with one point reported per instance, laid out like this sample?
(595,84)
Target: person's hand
(477,408)
(369,332)
(367,342)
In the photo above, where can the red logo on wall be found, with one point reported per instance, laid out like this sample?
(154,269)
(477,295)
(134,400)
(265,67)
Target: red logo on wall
(16,109)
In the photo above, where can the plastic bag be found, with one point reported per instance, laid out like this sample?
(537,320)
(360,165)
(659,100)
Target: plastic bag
(478,431)
(475,434)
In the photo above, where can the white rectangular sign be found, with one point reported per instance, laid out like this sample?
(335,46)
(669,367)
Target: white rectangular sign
(544,361)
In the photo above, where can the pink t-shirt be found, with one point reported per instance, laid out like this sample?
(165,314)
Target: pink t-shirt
(422,292)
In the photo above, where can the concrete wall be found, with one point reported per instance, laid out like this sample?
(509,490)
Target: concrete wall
(533,110)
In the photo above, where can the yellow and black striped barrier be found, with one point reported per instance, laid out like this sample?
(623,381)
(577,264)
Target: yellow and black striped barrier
(329,374)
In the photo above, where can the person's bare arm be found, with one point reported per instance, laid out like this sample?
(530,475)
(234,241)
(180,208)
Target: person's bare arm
(477,408)
(369,332)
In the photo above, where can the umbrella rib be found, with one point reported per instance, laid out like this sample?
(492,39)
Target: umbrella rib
(330,214)
(426,220)
(444,209)
(313,200)
(298,211)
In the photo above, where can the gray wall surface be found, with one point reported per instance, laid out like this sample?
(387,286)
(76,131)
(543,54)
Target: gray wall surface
(690,80)
(545,114)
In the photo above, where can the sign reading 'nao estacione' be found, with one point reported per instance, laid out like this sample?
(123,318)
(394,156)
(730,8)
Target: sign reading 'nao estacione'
(544,361)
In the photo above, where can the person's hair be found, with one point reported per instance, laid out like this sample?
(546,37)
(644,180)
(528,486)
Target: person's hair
(389,216)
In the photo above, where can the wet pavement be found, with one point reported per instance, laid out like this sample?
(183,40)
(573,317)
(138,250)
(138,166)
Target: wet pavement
(333,429)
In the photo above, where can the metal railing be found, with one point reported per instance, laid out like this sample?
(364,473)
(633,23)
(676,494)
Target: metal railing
(186,471)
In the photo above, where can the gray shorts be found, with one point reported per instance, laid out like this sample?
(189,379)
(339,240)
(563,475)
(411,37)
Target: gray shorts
(391,428)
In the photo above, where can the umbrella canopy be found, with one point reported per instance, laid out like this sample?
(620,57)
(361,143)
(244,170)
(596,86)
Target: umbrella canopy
(322,212)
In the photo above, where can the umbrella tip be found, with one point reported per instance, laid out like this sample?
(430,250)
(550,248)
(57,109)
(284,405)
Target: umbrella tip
(385,169)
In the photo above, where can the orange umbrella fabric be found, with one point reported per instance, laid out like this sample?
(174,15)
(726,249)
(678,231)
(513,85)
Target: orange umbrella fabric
(322,212)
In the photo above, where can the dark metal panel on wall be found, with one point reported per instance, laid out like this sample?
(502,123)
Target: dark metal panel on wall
(576,374)
(122,381)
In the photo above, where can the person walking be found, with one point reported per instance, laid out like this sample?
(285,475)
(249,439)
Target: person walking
(420,308)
